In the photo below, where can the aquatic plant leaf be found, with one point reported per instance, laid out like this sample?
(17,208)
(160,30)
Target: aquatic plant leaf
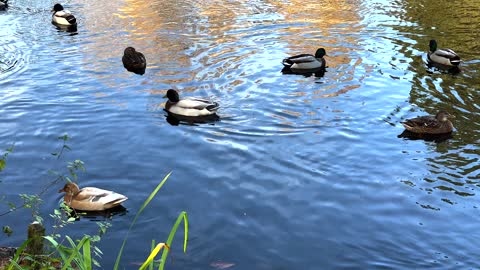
(2,164)
(76,254)
(182,217)
(147,201)
(87,255)
(152,255)
(150,267)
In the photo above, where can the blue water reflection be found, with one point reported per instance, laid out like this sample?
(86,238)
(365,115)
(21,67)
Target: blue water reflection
(301,172)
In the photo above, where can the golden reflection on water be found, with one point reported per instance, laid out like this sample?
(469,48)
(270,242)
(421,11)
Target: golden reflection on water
(185,41)
(330,25)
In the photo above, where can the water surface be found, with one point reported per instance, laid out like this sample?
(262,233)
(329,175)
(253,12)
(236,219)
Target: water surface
(300,173)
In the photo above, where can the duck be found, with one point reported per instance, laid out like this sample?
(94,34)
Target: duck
(306,61)
(430,124)
(189,106)
(90,198)
(446,57)
(134,61)
(3,4)
(62,17)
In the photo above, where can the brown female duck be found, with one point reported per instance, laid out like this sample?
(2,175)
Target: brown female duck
(430,124)
(134,61)
(91,198)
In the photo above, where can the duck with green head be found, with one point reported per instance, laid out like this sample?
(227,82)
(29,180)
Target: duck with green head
(62,17)
(446,57)
(190,106)
(306,61)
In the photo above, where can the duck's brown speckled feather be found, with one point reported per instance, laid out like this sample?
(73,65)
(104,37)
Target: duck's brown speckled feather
(91,198)
(428,125)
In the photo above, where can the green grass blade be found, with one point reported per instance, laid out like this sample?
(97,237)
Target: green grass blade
(87,255)
(57,247)
(72,243)
(185,232)
(75,254)
(182,216)
(147,201)
(150,267)
(14,263)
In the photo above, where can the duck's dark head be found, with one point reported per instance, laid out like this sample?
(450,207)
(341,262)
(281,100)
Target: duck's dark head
(320,53)
(172,95)
(129,50)
(433,45)
(443,116)
(57,7)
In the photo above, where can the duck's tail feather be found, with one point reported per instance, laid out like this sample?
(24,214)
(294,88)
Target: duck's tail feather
(213,107)
(455,62)
(287,62)
(407,125)
(71,19)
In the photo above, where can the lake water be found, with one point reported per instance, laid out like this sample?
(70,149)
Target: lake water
(300,173)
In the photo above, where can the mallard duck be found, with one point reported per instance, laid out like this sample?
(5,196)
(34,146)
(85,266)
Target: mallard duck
(90,198)
(446,57)
(3,4)
(62,17)
(189,106)
(430,124)
(306,61)
(134,61)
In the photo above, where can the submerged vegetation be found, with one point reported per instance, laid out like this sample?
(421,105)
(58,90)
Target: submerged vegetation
(64,252)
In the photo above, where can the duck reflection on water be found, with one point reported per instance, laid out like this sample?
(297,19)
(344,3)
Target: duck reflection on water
(438,138)
(175,119)
(433,66)
(72,29)
(98,215)
(318,72)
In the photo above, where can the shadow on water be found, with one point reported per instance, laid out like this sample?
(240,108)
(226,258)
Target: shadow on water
(317,72)
(438,138)
(433,67)
(175,119)
(138,71)
(99,215)
(72,29)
